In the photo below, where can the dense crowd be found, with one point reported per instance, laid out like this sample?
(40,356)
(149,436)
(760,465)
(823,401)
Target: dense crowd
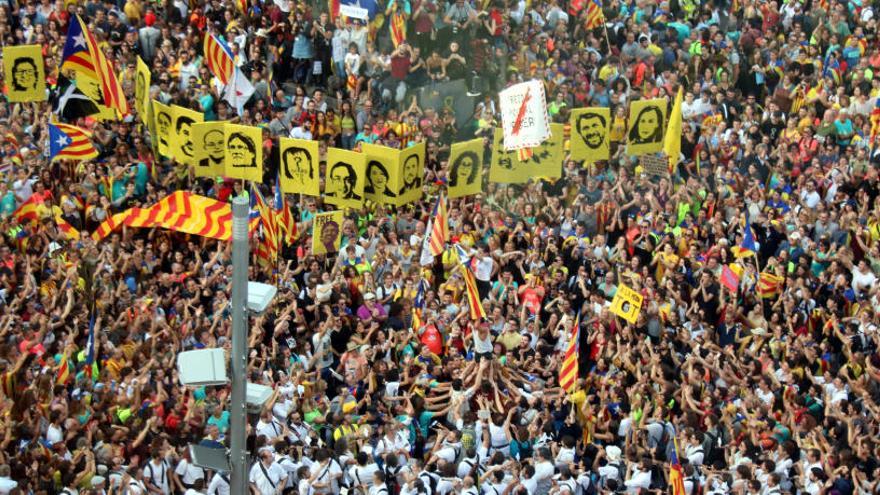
(759,394)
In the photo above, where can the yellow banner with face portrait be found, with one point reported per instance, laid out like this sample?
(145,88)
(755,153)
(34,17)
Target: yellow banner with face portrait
(590,128)
(411,173)
(163,117)
(545,162)
(327,232)
(464,175)
(298,167)
(91,87)
(244,152)
(183,145)
(344,178)
(24,72)
(647,120)
(209,145)
(142,80)
(381,185)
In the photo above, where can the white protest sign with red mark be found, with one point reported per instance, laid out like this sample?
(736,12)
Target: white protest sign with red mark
(524,117)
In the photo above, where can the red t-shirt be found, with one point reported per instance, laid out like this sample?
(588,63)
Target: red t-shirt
(399,67)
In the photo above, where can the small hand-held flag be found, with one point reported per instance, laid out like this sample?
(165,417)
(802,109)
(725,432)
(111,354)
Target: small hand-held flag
(219,58)
(90,348)
(676,474)
(569,373)
(440,228)
(594,15)
(748,247)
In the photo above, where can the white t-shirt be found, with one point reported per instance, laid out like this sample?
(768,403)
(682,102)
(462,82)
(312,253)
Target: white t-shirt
(267,479)
(363,475)
(158,475)
(219,485)
(270,429)
(188,472)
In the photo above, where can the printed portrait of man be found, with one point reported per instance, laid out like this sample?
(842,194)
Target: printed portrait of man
(412,179)
(184,134)
(242,150)
(212,143)
(341,181)
(297,165)
(592,127)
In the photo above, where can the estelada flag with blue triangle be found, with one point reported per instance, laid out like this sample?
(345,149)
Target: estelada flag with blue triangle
(67,142)
(747,247)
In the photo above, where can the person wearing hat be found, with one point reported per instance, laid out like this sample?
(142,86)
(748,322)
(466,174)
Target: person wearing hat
(371,310)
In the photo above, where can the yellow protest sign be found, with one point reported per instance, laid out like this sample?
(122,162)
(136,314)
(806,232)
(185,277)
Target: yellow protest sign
(164,118)
(344,178)
(184,118)
(381,185)
(24,72)
(626,303)
(298,167)
(590,129)
(91,87)
(465,169)
(209,140)
(327,232)
(244,152)
(647,120)
(545,162)
(142,87)
(411,171)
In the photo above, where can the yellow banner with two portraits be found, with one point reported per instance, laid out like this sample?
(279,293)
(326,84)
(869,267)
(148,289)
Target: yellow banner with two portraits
(545,161)
(244,152)
(647,121)
(590,130)
(24,73)
(298,167)
(465,169)
(327,232)
(344,178)
(182,147)
(209,140)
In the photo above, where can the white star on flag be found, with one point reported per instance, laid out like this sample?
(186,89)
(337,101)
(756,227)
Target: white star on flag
(63,141)
(79,40)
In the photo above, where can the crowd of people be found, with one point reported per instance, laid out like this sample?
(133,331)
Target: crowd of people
(383,383)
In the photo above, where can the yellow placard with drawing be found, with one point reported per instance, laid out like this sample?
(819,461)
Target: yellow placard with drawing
(344,178)
(183,146)
(142,80)
(411,173)
(327,232)
(590,128)
(626,303)
(244,152)
(209,140)
(25,73)
(298,167)
(91,87)
(647,120)
(464,176)
(381,185)
(544,163)
(163,116)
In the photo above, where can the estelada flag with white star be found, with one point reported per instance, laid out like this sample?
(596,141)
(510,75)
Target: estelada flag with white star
(524,117)
(67,142)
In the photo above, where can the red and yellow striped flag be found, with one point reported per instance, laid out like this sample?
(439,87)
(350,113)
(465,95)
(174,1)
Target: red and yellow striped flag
(440,227)
(27,211)
(676,474)
(82,53)
(109,225)
(267,247)
(769,285)
(63,373)
(219,58)
(568,374)
(397,26)
(65,228)
(68,142)
(594,15)
(473,294)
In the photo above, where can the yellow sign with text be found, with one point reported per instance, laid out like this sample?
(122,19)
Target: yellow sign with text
(327,232)
(627,303)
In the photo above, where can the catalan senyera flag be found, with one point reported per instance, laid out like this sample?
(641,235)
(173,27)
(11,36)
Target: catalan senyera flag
(64,227)
(440,227)
(63,374)
(267,247)
(67,142)
(475,306)
(82,54)
(180,211)
(594,15)
(397,27)
(109,225)
(568,374)
(676,474)
(769,285)
(27,211)
(219,58)
(287,222)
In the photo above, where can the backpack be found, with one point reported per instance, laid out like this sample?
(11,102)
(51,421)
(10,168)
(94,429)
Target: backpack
(431,485)
(391,480)
(711,454)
